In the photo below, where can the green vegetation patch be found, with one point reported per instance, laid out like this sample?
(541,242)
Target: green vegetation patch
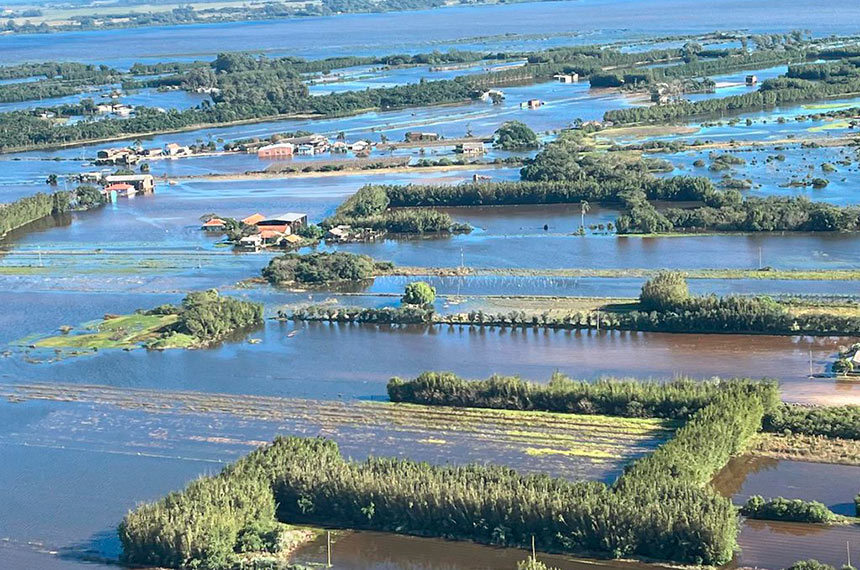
(202,318)
(125,331)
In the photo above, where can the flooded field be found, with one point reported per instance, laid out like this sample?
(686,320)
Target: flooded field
(316,353)
(101,438)
(519,26)
(76,431)
(833,485)
(767,544)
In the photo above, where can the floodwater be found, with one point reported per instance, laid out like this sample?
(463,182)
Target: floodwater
(398,32)
(768,544)
(316,353)
(71,469)
(102,440)
(833,485)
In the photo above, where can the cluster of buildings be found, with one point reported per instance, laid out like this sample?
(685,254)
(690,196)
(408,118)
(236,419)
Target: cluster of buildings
(118,109)
(296,146)
(127,185)
(130,155)
(280,230)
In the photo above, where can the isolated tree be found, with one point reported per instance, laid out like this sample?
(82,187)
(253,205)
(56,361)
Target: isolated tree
(584,208)
(514,135)
(666,290)
(419,293)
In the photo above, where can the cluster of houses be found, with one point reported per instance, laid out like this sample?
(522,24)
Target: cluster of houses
(269,231)
(130,155)
(302,146)
(118,109)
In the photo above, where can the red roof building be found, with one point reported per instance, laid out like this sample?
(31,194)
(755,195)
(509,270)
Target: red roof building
(253,219)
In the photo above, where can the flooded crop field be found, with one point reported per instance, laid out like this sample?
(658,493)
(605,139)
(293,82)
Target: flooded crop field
(316,352)
(95,435)
(88,433)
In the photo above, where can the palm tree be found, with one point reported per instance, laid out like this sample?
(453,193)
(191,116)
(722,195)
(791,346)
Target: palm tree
(584,207)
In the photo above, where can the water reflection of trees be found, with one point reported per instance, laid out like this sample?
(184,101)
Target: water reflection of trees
(730,480)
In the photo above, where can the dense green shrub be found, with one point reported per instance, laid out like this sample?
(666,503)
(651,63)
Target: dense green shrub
(322,267)
(660,507)
(32,208)
(666,290)
(419,293)
(792,510)
(831,421)
(515,135)
(209,316)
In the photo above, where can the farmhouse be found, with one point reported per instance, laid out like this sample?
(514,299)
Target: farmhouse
(253,219)
(142,183)
(472,148)
(214,225)
(116,156)
(288,223)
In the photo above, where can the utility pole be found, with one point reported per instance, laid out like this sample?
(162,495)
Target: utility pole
(328,548)
(534,554)
(848,548)
(810,367)
(759,257)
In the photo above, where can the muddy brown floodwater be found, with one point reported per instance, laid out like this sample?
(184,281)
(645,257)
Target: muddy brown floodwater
(833,485)
(355,550)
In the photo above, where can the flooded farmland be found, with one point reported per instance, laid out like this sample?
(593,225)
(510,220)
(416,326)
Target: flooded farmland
(87,435)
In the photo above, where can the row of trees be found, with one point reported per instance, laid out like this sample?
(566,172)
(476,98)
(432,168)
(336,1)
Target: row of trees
(409,314)
(665,305)
(659,508)
(772,92)
(678,399)
(774,213)
(791,510)
(369,208)
(31,208)
(832,421)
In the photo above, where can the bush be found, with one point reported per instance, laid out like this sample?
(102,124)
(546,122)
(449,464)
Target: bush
(791,510)
(320,268)
(208,316)
(666,290)
(419,293)
(514,135)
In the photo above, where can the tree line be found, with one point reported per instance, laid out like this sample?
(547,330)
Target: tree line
(31,208)
(677,400)
(771,93)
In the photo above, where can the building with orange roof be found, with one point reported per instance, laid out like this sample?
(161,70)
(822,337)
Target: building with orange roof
(253,219)
(214,224)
